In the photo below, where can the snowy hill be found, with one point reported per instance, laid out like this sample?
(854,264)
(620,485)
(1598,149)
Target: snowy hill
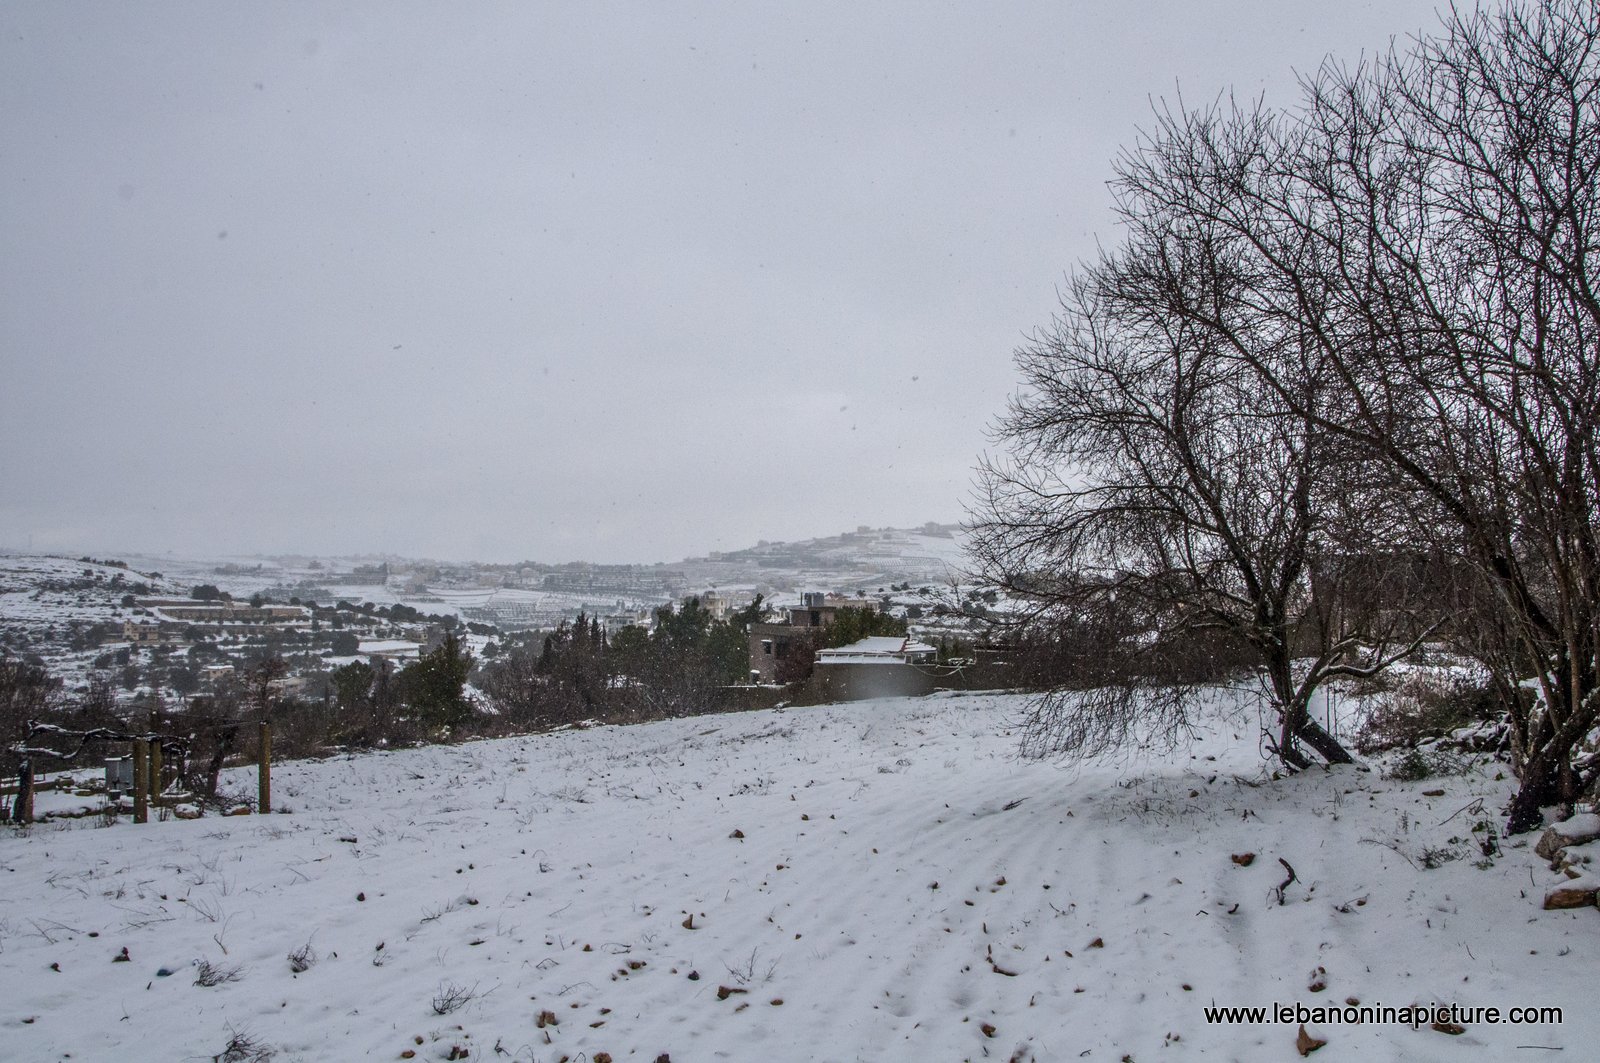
(878,881)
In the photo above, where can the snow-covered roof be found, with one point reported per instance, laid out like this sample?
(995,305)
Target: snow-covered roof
(390,647)
(884,644)
(876,649)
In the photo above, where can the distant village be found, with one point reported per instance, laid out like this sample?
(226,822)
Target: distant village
(149,635)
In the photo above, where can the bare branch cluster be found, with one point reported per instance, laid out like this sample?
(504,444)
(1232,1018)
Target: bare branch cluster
(1339,389)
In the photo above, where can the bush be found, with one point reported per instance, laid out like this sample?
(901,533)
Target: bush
(1418,764)
(1422,706)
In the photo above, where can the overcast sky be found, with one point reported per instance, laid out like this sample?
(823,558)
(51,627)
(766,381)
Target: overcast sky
(533,281)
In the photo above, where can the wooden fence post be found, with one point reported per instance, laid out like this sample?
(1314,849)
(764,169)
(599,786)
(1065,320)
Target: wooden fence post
(22,810)
(155,772)
(264,771)
(141,782)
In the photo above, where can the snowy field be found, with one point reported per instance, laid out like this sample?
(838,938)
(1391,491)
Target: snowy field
(878,881)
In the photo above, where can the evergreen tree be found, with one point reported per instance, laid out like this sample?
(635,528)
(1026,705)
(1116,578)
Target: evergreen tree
(432,686)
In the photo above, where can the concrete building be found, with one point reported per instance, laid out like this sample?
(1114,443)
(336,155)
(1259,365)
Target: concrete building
(141,632)
(773,644)
(877,667)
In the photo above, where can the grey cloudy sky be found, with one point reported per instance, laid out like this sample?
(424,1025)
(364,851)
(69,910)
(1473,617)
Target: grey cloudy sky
(600,281)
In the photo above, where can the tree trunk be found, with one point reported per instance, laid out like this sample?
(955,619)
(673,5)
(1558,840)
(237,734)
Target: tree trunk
(1328,747)
(1312,733)
(219,755)
(1541,786)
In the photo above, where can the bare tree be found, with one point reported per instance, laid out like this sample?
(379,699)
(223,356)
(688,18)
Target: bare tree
(1153,475)
(1417,239)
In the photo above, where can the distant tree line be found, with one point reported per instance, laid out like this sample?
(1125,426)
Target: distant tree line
(682,665)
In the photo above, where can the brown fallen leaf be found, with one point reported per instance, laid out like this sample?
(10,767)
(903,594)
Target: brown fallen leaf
(1097,943)
(1450,1028)
(1305,1044)
(988,1029)
(1244,859)
(725,991)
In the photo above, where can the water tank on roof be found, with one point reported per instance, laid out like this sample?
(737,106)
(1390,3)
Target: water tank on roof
(814,599)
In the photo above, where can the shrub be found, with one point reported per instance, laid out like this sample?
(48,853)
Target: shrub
(1422,706)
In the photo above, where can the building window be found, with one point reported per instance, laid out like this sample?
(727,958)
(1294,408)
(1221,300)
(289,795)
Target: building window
(766,647)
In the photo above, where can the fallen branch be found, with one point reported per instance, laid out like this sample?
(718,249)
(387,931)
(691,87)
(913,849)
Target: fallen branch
(1286,882)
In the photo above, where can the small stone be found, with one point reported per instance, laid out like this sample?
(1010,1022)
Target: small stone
(1569,897)
(1305,1044)
(1575,831)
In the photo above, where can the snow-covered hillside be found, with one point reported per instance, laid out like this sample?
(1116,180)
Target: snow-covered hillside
(877,881)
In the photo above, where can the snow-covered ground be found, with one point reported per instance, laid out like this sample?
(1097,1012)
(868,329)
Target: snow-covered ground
(877,881)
